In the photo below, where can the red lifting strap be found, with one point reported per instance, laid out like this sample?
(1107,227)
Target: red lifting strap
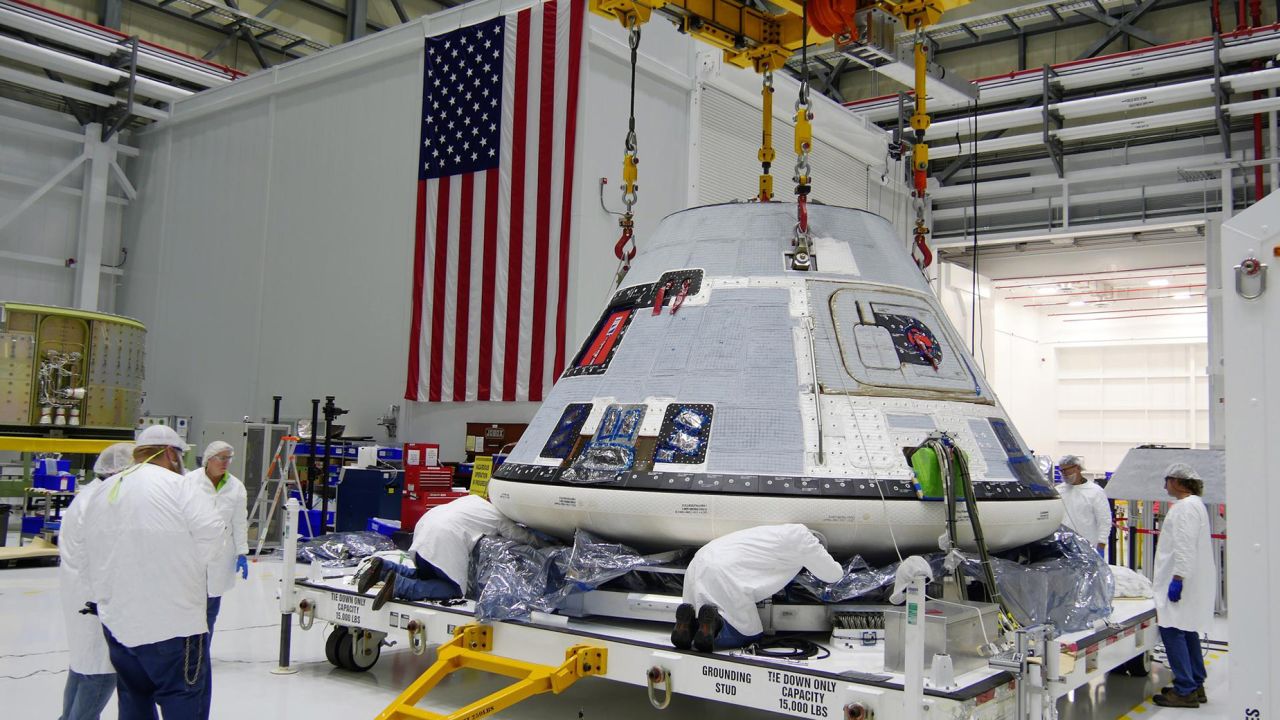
(659,298)
(680,296)
(802,213)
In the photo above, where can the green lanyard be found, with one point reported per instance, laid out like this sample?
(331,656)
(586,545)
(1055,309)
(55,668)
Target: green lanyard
(217,488)
(114,494)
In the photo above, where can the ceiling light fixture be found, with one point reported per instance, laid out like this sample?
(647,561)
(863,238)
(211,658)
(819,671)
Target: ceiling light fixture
(1077,303)
(1048,290)
(1182,296)
(1158,282)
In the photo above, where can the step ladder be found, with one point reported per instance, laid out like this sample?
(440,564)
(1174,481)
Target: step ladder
(471,647)
(283,475)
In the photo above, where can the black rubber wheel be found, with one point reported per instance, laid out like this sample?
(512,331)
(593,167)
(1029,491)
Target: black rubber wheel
(356,662)
(331,645)
(1139,666)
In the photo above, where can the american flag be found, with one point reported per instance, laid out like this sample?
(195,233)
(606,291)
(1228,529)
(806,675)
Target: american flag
(495,187)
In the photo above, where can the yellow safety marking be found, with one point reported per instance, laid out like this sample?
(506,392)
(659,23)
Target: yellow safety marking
(1125,717)
(1140,709)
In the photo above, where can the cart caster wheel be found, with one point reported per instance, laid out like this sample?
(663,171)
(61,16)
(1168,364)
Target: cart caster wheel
(1137,667)
(359,657)
(331,646)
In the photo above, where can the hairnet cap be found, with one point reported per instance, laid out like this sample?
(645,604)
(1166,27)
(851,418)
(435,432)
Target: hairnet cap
(1070,460)
(1181,471)
(155,435)
(114,459)
(215,447)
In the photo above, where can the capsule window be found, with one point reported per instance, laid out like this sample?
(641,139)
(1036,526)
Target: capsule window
(566,431)
(611,451)
(595,355)
(685,432)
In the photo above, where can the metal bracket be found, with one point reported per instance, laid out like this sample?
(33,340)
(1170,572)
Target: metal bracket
(1251,268)
(117,116)
(1052,92)
(1222,96)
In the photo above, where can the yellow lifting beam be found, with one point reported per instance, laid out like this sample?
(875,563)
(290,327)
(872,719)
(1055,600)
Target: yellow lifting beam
(470,648)
(18,443)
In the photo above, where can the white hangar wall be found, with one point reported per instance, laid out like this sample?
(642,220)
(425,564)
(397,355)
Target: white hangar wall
(272,241)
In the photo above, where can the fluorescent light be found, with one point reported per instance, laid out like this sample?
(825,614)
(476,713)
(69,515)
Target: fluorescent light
(1048,290)
(1182,296)
(1158,282)
(1076,303)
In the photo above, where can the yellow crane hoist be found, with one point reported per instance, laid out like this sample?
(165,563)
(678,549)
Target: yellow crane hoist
(750,37)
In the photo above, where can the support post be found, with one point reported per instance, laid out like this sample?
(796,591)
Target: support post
(93,218)
(913,649)
(311,452)
(288,601)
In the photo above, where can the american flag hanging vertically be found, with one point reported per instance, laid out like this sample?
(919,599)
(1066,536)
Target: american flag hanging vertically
(495,187)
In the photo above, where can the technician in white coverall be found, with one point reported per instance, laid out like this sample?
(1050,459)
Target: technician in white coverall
(442,543)
(90,680)
(1184,581)
(231,499)
(730,574)
(1087,511)
(149,537)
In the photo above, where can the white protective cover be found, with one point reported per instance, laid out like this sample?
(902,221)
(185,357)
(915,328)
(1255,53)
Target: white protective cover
(1130,584)
(232,502)
(738,570)
(147,554)
(445,535)
(85,643)
(1185,549)
(1086,511)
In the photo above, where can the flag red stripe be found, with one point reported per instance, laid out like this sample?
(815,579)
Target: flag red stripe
(438,291)
(415,328)
(566,196)
(546,119)
(462,321)
(515,246)
(485,363)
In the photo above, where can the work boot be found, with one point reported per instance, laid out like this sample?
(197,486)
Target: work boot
(1173,699)
(709,624)
(368,575)
(682,633)
(1199,693)
(386,593)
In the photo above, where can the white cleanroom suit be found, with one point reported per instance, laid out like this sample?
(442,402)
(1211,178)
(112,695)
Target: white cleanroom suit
(150,537)
(738,570)
(1186,550)
(231,500)
(1087,511)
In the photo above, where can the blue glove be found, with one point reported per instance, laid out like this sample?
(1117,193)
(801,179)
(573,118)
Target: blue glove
(1175,590)
(242,564)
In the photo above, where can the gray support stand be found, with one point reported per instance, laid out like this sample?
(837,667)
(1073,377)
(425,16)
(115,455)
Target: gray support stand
(288,603)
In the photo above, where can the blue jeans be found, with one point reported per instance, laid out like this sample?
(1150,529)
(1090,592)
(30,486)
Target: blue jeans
(85,696)
(1186,659)
(173,674)
(729,637)
(211,608)
(423,581)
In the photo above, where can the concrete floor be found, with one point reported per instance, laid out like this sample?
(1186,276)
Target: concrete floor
(33,670)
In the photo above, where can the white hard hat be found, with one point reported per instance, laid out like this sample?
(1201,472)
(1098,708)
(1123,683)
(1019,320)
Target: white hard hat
(215,447)
(114,459)
(156,435)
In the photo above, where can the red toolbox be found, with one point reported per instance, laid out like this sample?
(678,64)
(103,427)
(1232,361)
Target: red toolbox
(426,483)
